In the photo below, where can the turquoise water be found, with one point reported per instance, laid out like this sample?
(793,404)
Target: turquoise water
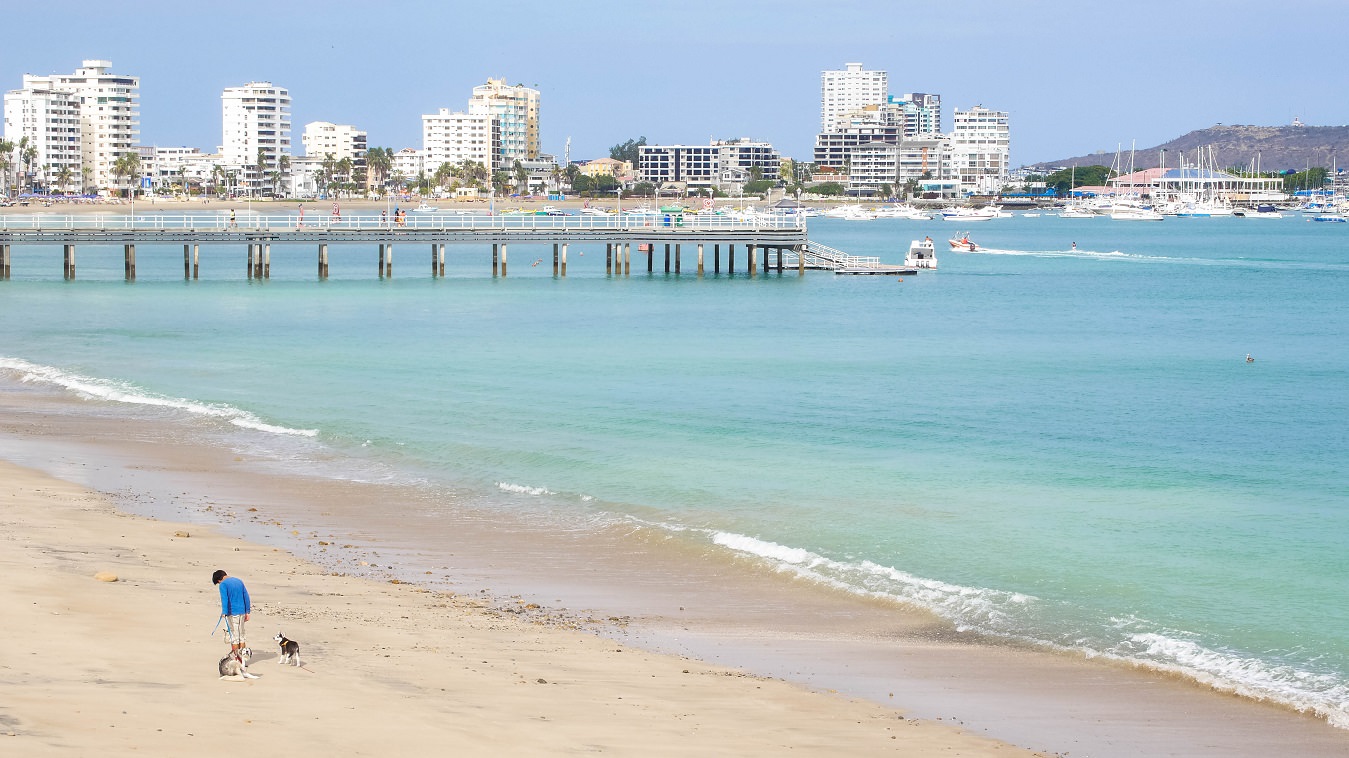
(1035,442)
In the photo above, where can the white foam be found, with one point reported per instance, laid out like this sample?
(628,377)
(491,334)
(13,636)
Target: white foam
(120,392)
(521,489)
(1015,615)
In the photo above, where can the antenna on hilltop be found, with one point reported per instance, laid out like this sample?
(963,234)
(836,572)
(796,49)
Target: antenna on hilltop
(566,153)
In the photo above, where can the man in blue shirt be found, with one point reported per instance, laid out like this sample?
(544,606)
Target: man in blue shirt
(234,607)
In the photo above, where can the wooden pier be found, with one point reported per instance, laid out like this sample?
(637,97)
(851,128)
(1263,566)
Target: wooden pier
(701,236)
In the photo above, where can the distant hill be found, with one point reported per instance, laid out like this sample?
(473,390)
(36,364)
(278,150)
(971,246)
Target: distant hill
(1279,148)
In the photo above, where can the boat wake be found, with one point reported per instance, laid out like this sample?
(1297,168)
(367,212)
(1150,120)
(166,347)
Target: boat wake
(1119,255)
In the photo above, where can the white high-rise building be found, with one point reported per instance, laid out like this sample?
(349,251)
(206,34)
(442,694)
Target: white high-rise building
(323,138)
(108,112)
(516,109)
(255,124)
(980,143)
(849,90)
(50,120)
(453,137)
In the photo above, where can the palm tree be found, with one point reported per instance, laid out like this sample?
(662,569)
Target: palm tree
(500,181)
(326,172)
(127,166)
(521,177)
(260,166)
(282,169)
(378,161)
(6,163)
(27,154)
(63,176)
(86,174)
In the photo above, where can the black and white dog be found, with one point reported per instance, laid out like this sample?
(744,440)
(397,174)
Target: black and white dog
(290,650)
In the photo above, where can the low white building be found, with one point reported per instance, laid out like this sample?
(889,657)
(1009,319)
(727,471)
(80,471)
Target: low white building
(723,164)
(407,164)
(925,161)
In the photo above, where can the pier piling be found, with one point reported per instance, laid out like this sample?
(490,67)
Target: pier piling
(267,261)
(4,262)
(556,261)
(187,262)
(503,259)
(676,257)
(716,259)
(753,263)
(667,257)
(564,260)
(627,258)
(494,259)
(700,259)
(69,260)
(609,257)
(730,260)
(128,257)
(323,260)
(800,260)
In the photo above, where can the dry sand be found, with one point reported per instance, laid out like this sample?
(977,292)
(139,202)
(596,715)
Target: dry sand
(129,667)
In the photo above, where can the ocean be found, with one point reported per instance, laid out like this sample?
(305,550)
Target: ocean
(1054,446)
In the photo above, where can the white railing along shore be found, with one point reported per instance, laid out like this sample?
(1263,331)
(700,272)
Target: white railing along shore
(292,222)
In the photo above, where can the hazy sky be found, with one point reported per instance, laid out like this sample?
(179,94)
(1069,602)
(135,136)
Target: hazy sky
(1074,76)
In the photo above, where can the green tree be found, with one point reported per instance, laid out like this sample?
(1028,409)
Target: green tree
(6,163)
(521,177)
(758,186)
(828,189)
(1072,178)
(572,171)
(627,151)
(643,189)
(500,182)
(1311,179)
(127,167)
(63,177)
(378,162)
(260,167)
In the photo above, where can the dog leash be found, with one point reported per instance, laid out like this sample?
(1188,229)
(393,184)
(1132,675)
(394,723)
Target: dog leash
(217,624)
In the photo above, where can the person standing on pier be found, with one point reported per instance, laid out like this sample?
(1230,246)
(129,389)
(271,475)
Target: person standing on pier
(232,222)
(301,224)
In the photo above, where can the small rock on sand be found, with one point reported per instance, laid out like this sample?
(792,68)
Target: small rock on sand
(181,533)
(105,576)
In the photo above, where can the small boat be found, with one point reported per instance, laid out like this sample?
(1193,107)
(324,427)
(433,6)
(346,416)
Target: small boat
(921,255)
(424,208)
(1030,214)
(1334,218)
(961,243)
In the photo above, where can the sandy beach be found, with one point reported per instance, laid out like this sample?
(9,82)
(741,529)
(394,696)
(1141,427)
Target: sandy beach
(129,666)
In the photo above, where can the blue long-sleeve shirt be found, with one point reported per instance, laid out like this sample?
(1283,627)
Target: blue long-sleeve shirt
(234,597)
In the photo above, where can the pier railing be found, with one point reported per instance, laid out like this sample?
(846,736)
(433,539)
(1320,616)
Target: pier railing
(451,221)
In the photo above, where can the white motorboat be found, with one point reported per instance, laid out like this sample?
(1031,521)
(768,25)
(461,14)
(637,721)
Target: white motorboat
(1076,211)
(974,214)
(922,254)
(1135,213)
(424,208)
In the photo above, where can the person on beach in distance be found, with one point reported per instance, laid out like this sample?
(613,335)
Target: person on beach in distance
(234,607)
(232,217)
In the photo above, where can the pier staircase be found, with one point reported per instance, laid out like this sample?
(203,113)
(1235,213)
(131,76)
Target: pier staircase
(827,258)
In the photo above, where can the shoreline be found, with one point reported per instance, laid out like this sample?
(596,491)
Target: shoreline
(1053,702)
(126,666)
